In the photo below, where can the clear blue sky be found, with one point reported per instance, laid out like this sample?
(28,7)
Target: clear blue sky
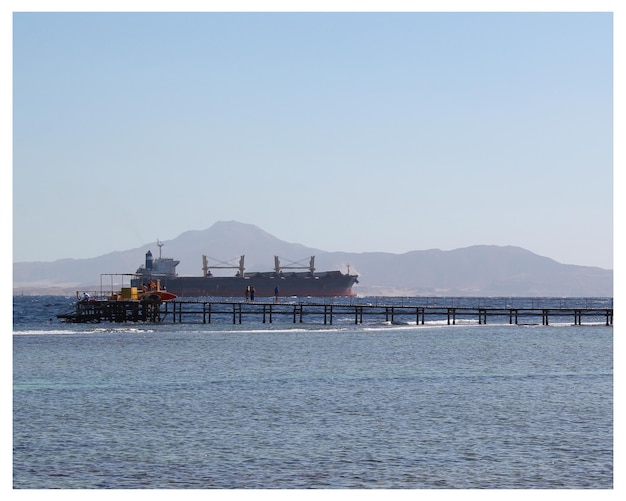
(340,131)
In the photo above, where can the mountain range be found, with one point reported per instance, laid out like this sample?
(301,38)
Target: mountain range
(480,270)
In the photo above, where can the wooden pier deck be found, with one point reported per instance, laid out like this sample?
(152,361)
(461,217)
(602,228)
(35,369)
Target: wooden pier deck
(238,312)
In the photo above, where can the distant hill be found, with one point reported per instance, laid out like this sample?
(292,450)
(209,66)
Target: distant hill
(480,270)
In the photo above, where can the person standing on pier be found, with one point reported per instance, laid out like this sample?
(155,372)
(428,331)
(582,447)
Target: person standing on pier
(252,291)
(247,293)
(276,294)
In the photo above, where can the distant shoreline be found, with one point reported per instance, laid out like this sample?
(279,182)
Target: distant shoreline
(367,292)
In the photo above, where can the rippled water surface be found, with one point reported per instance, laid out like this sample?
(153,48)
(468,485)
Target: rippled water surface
(490,406)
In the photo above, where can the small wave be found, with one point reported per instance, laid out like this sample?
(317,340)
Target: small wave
(34,332)
(40,332)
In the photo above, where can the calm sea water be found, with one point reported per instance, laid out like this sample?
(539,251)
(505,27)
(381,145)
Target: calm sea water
(309,406)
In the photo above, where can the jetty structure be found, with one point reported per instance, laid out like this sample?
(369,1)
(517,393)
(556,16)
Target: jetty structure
(150,308)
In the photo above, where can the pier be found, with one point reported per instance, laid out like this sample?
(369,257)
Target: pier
(407,311)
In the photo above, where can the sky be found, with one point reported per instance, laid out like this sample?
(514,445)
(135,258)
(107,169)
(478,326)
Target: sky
(342,131)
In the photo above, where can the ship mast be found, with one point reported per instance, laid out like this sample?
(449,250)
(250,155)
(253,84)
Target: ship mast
(226,266)
(295,266)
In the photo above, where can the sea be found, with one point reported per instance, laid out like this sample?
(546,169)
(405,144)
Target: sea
(312,406)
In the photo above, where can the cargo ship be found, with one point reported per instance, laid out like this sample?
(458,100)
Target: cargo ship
(289,282)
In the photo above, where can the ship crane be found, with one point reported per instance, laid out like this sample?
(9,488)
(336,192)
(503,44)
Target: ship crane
(224,265)
(294,265)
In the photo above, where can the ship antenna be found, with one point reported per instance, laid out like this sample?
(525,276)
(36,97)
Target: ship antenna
(160,244)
